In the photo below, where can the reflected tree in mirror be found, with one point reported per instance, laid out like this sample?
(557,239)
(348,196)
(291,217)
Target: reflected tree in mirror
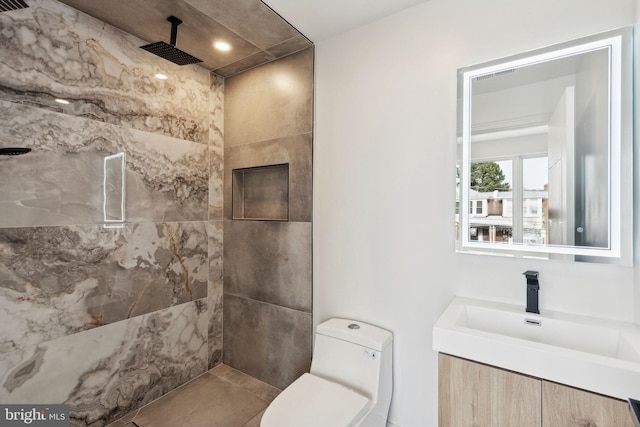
(487,177)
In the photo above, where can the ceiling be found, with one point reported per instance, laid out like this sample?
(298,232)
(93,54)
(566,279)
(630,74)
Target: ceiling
(255,29)
(321,19)
(256,33)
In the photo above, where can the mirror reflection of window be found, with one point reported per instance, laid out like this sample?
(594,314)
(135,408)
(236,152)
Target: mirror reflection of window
(544,149)
(535,199)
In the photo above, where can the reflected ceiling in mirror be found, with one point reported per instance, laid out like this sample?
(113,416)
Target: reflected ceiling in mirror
(545,152)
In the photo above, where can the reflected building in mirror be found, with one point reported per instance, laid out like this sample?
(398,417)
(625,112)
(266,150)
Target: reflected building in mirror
(491,216)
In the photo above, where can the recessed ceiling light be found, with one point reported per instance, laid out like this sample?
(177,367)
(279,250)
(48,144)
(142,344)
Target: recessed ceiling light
(62,101)
(161,76)
(223,46)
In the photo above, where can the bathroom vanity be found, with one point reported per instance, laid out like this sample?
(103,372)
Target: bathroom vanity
(475,394)
(502,366)
(544,171)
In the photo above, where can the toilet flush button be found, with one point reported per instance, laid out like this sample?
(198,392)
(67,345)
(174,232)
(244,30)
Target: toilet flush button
(354,326)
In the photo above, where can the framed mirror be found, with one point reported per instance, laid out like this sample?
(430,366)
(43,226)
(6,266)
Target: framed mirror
(545,158)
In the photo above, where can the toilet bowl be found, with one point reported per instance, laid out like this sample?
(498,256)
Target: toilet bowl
(349,384)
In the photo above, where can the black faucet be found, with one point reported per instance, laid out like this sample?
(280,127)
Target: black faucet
(532,291)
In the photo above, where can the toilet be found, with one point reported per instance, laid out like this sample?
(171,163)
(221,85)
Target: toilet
(350,381)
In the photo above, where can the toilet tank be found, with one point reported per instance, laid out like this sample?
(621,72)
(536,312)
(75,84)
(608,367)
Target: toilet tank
(356,356)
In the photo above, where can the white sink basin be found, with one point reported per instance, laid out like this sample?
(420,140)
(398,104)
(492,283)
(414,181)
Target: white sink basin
(585,352)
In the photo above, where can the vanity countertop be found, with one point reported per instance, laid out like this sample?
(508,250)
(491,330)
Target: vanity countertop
(594,354)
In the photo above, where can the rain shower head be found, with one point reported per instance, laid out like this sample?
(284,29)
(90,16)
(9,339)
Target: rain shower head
(7,5)
(14,151)
(169,51)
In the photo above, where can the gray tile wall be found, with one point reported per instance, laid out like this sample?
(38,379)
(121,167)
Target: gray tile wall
(269,102)
(296,150)
(267,264)
(105,319)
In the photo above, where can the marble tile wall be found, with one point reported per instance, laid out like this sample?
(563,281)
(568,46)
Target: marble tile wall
(215,226)
(107,372)
(57,281)
(105,319)
(267,264)
(167,177)
(58,52)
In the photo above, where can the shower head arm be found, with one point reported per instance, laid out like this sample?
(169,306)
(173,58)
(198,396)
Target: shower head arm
(174,29)
(169,51)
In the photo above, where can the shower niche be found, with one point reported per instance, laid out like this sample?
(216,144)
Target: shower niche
(261,193)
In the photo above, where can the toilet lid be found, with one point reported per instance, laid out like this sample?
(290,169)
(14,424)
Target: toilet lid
(315,402)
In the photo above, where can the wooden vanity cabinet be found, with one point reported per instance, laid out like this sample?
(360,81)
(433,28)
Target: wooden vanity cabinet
(472,394)
(568,406)
(476,395)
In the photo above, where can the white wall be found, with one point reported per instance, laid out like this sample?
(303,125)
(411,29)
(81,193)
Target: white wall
(384,179)
(637,157)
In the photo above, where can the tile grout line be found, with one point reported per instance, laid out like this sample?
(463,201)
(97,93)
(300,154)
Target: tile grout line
(267,303)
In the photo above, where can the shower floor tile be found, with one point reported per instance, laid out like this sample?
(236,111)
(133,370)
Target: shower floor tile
(222,397)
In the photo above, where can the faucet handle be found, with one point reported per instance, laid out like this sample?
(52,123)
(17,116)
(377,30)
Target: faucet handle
(531,274)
